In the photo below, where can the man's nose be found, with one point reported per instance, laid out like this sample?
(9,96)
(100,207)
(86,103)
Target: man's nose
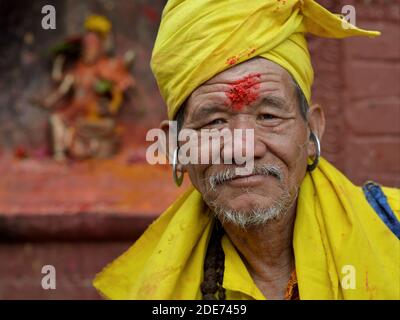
(242,130)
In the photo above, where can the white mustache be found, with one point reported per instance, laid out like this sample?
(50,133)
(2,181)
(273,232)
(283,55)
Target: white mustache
(230,174)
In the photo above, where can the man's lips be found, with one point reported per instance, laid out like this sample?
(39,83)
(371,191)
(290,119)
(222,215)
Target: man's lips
(251,180)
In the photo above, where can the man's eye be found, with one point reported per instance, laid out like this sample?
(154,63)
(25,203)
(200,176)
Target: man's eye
(267,116)
(216,122)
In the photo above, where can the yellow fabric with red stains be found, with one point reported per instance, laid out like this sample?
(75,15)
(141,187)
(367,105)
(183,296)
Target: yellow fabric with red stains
(198,39)
(335,228)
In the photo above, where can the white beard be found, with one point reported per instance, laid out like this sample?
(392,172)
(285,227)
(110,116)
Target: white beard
(256,216)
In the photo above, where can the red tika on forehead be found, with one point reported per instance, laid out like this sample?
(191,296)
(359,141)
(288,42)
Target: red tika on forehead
(244,91)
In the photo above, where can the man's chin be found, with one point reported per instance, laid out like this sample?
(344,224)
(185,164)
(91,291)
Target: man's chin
(244,202)
(243,209)
(250,209)
(249,217)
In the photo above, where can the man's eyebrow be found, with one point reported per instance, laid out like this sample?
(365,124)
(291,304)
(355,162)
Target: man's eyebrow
(204,112)
(273,101)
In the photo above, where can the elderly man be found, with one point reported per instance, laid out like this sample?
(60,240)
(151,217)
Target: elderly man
(294,227)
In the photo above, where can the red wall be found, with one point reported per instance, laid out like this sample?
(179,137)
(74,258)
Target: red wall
(358,84)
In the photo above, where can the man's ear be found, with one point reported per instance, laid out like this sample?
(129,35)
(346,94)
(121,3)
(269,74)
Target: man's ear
(316,123)
(316,120)
(168,149)
(164,147)
(164,126)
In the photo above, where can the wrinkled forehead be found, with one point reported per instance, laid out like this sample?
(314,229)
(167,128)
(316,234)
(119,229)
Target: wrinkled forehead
(267,70)
(268,74)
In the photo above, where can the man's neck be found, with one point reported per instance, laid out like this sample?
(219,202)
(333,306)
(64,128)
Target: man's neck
(267,252)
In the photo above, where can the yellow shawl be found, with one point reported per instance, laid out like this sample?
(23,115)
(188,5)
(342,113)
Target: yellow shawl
(335,228)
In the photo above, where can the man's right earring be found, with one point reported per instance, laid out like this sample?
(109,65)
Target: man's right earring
(315,139)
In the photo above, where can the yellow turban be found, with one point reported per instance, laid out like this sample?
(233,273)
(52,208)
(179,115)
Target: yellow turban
(198,39)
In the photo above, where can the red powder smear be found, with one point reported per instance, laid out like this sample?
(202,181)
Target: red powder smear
(244,91)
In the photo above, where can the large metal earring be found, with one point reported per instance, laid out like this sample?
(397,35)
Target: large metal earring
(315,139)
(177,179)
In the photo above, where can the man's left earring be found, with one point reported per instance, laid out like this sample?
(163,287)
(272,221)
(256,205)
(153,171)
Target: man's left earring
(177,179)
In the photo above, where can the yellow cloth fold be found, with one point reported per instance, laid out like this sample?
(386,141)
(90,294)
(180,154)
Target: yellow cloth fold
(198,39)
(335,227)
